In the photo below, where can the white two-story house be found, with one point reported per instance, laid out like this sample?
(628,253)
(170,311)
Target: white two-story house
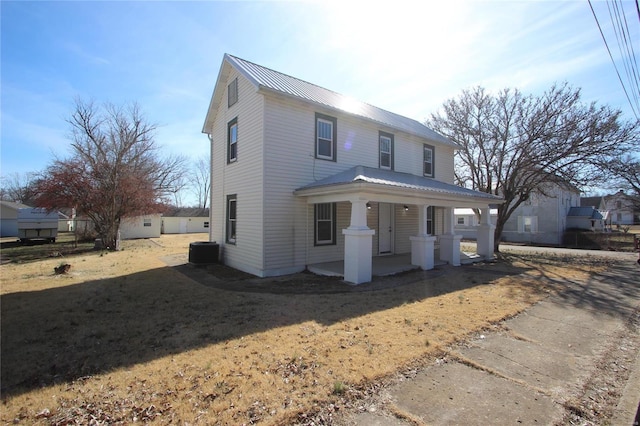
(302,175)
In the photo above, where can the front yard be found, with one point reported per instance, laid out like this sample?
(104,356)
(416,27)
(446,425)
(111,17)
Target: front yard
(123,337)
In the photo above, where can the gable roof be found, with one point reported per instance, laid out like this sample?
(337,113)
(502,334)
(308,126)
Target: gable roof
(269,80)
(14,205)
(396,179)
(591,201)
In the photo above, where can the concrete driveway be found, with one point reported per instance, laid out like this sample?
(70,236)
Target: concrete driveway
(573,357)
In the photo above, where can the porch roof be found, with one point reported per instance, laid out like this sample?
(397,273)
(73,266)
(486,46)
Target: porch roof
(391,186)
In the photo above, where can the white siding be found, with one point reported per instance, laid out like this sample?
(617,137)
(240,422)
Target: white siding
(243,178)
(406,226)
(290,163)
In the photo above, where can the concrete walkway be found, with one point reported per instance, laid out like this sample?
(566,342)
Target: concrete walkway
(532,369)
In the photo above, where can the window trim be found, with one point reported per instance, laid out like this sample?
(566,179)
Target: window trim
(331,242)
(233,198)
(334,134)
(389,136)
(430,220)
(230,125)
(431,148)
(232,95)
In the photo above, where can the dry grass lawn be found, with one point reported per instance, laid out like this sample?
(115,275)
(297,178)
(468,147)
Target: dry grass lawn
(124,337)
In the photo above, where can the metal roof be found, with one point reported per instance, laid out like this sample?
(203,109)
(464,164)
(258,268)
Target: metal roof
(397,179)
(269,79)
(589,212)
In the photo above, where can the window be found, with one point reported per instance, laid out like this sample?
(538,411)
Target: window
(527,224)
(232,92)
(206,224)
(460,220)
(232,141)
(386,151)
(326,137)
(231,218)
(325,224)
(146,222)
(430,214)
(428,161)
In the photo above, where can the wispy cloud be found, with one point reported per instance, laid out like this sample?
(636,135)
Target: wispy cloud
(84,55)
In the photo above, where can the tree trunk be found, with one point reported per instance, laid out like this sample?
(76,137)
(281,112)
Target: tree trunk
(497,235)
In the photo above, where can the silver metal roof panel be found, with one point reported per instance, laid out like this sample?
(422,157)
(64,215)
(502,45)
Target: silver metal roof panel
(269,79)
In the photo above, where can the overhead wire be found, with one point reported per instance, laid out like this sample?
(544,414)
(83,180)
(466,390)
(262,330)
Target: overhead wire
(627,52)
(604,39)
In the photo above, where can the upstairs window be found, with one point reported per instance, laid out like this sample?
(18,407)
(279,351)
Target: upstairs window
(428,161)
(325,224)
(232,92)
(326,137)
(232,141)
(386,150)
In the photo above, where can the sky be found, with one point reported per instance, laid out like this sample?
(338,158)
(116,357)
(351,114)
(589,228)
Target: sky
(407,57)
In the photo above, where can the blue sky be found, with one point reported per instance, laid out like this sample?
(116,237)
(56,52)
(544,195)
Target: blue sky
(406,57)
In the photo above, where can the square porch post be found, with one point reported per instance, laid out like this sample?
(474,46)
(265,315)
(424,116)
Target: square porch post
(422,245)
(485,237)
(358,239)
(449,241)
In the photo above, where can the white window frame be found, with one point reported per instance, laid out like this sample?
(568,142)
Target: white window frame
(232,222)
(318,217)
(232,141)
(322,120)
(389,153)
(431,150)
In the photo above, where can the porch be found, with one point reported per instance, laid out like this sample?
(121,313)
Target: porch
(363,187)
(387,265)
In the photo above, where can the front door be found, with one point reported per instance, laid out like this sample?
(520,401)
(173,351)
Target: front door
(385,228)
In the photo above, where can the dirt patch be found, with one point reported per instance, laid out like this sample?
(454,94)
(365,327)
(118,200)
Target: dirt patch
(125,337)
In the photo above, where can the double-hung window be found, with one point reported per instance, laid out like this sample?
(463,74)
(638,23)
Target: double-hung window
(428,161)
(386,150)
(325,224)
(232,141)
(430,215)
(326,136)
(232,216)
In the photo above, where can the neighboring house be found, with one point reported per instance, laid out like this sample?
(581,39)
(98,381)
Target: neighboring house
(302,175)
(621,208)
(596,202)
(588,218)
(185,221)
(466,222)
(145,226)
(543,218)
(9,218)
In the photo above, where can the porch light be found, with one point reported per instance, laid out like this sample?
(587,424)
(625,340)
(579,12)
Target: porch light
(368,206)
(406,208)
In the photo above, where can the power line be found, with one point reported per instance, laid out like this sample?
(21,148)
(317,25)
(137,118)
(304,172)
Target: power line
(613,61)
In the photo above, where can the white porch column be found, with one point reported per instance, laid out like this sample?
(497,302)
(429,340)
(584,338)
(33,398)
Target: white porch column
(422,245)
(485,234)
(449,241)
(357,245)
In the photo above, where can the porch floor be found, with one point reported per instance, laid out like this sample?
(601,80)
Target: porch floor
(387,265)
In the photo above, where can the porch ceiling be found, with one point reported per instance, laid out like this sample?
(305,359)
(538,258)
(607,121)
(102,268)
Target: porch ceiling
(371,184)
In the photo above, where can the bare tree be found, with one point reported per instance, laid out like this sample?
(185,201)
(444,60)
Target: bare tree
(514,144)
(201,180)
(18,187)
(115,170)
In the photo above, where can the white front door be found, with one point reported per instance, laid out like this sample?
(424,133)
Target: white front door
(385,228)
